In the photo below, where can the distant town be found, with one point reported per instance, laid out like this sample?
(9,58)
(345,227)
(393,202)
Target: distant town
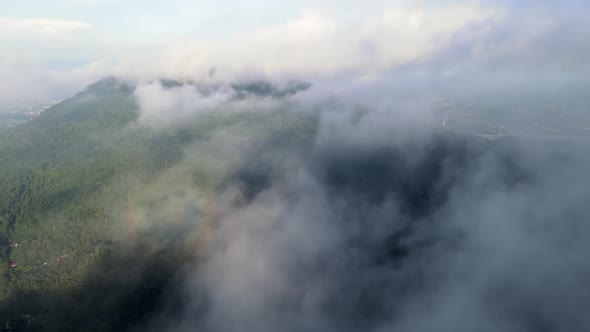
(13,115)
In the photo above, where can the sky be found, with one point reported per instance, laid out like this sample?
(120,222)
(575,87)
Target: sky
(52,48)
(65,34)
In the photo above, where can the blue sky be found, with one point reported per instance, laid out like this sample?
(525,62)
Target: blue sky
(150,20)
(52,47)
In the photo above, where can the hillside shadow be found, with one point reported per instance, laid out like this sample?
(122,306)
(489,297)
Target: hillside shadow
(125,290)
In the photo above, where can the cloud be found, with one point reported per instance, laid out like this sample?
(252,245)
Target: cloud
(431,233)
(464,42)
(17,28)
(24,81)
(161,106)
(166,102)
(317,44)
(29,51)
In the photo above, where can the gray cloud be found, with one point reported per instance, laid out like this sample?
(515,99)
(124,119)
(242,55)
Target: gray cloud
(411,231)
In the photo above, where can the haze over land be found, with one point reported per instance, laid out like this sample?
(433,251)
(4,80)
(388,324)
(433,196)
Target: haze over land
(295,166)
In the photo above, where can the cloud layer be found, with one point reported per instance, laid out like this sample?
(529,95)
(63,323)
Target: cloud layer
(47,28)
(427,233)
(316,44)
(469,45)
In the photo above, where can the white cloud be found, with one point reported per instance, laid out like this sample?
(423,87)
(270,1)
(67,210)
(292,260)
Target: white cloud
(161,106)
(23,81)
(15,28)
(317,44)
(470,39)
(31,49)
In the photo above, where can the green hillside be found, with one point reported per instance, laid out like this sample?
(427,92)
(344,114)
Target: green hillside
(83,177)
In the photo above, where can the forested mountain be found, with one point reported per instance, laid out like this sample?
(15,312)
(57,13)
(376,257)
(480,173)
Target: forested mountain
(69,177)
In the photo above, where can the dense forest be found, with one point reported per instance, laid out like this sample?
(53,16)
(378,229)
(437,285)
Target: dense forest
(71,179)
